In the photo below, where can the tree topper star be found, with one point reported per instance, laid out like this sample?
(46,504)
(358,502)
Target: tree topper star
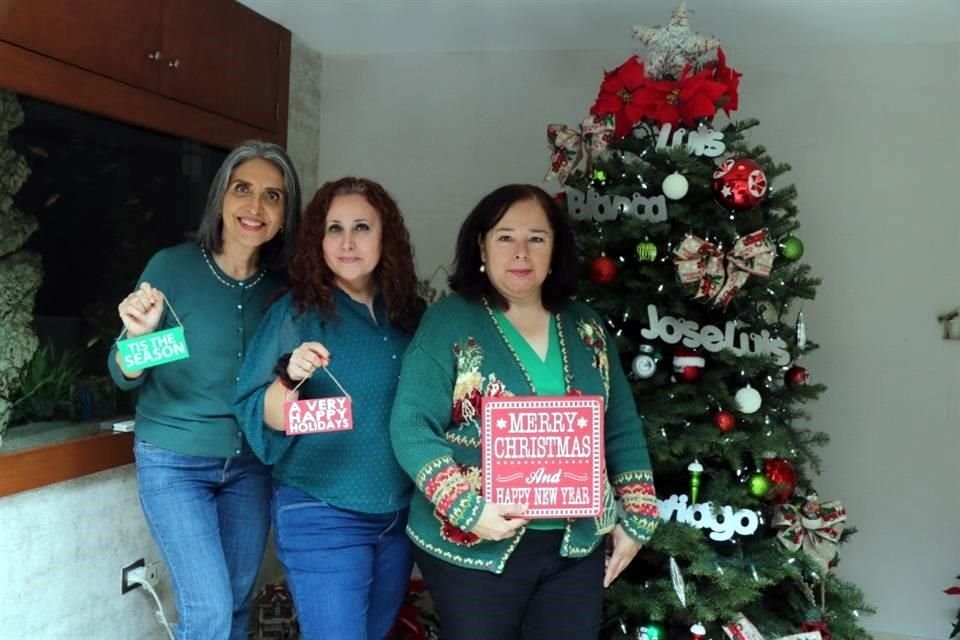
(671,47)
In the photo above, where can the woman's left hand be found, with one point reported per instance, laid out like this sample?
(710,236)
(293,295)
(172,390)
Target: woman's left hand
(625,549)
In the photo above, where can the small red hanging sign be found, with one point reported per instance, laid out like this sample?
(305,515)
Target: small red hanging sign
(318,415)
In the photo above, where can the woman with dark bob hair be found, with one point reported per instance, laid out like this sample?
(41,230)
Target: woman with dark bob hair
(340,498)
(513,329)
(205,496)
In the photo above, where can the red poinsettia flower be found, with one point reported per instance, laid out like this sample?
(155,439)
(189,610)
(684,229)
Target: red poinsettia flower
(618,96)
(686,100)
(728,77)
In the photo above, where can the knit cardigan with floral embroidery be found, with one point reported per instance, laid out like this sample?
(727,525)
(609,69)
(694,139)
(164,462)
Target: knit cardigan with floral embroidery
(459,355)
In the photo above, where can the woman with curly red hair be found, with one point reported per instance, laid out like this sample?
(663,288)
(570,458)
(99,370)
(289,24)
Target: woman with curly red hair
(340,498)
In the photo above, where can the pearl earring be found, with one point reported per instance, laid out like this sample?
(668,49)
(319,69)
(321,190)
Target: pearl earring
(483,268)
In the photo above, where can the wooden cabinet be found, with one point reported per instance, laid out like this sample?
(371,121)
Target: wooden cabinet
(116,39)
(221,56)
(214,54)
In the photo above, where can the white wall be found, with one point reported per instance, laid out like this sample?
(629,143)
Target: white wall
(871,135)
(874,159)
(62,548)
(440,131)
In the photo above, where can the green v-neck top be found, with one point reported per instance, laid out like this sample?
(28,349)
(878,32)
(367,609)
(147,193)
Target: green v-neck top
(546,376)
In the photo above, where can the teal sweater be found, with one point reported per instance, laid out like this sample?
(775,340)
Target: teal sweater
(354,469)
(459,355)
(187,406)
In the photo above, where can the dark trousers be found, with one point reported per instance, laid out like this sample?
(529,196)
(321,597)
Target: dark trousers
(539,596)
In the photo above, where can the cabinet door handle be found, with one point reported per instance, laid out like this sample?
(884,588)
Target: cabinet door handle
(155,56)
(174,64)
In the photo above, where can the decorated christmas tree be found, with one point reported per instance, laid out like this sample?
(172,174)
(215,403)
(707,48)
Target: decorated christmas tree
(690,239)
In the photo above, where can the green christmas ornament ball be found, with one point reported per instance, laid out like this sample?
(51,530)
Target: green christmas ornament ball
(646,251)
(655,632)
(759,485)
(791,248)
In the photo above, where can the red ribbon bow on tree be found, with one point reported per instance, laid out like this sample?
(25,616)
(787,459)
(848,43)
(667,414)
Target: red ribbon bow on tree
(816,528)
(573,150)
(700,261)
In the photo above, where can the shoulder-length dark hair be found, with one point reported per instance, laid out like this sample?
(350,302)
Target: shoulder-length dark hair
(467,279)
(276,252)
(312,280)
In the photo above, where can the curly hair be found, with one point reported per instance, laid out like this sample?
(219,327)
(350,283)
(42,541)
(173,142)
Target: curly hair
(311,279)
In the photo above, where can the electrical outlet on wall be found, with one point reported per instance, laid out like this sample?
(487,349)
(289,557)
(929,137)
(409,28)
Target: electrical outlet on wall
(125,583)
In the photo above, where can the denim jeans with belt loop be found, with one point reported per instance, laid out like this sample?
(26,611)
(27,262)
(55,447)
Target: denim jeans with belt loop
(210,518)
(348,571)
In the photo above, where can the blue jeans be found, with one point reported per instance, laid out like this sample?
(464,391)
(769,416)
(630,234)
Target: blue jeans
(210,520)
(348,571)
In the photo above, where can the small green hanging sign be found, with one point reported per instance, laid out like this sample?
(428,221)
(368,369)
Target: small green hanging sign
(153,349)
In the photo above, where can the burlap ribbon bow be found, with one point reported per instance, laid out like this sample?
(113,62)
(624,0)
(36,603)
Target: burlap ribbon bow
(721,275)
(816,528)
(573,150)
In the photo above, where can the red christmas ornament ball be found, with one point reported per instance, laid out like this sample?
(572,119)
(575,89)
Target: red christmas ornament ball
(783,478)
(796,376)
(725,420)
(739,184)
(603,270)
(688,365)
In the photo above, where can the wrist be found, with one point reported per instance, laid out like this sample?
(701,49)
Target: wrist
(283,376)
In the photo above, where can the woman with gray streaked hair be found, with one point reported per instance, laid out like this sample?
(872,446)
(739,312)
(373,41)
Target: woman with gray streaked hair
(205,496)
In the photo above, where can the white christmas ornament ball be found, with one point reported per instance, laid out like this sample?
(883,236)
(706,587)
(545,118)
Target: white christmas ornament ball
(748,400)
(675,186)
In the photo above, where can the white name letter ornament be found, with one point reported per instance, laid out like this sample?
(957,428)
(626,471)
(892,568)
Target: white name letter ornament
(723,522)
(711,338)
(597,208)
(702,142)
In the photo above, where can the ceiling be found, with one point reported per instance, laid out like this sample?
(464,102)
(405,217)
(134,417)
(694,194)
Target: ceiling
(363,27)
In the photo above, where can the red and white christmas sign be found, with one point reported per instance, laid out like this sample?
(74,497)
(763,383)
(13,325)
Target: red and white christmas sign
(318,415)
(545,452)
